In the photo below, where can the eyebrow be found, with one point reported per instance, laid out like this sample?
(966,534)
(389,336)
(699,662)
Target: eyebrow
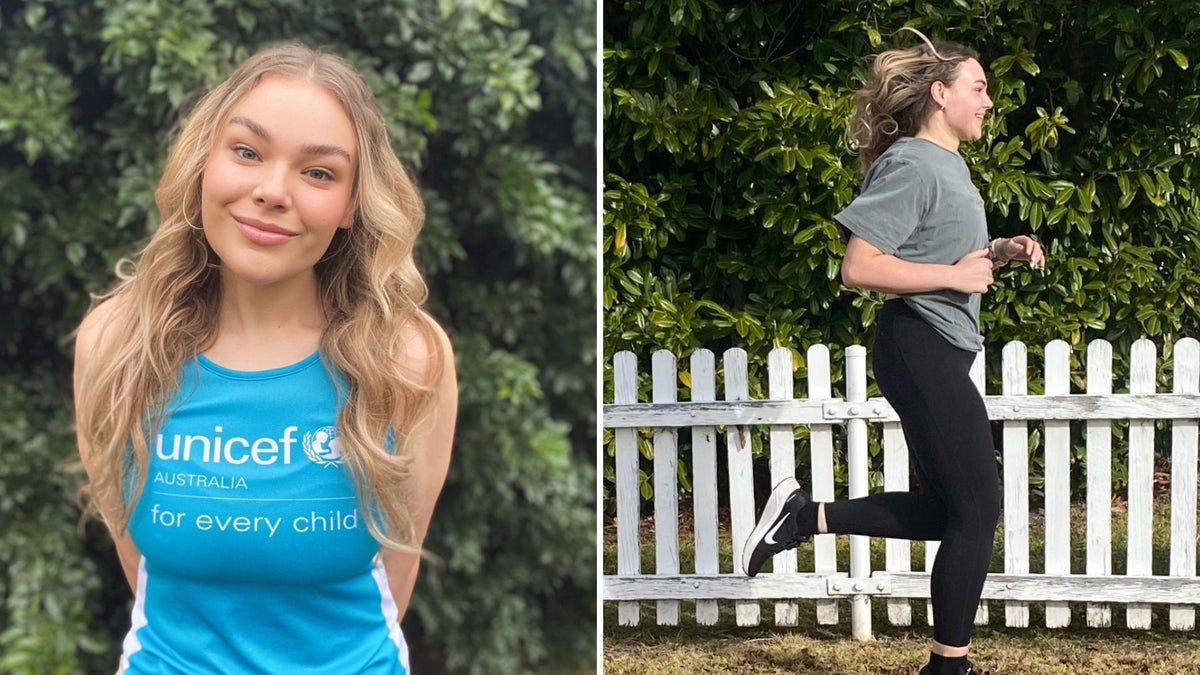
(309,149)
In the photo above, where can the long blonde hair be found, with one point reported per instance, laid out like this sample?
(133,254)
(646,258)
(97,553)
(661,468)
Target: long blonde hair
(895,102)
(368,283)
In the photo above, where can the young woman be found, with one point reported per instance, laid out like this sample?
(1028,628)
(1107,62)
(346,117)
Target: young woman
(918,233)
(265,413)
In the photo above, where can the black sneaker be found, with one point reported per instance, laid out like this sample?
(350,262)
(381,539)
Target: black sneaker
(777,529)
(965,669)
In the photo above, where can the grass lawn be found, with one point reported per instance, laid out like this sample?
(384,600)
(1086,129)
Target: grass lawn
(894,652)
(649,649)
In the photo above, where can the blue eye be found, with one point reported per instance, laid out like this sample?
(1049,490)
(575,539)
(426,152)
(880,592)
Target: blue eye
(244,153)
(320,174)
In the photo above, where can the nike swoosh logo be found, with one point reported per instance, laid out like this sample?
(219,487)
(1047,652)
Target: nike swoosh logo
(770,538)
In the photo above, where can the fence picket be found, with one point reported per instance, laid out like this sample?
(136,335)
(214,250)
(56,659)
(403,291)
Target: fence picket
(783,464)
(821,446)
(1186,373)
(898,551)
(1057,485)
(979,377)
(629,498)
(666,485)
(1139,525)
(742,509)
(1016,483)
(704,484)
(931,550)
(856,461)
(1099,480)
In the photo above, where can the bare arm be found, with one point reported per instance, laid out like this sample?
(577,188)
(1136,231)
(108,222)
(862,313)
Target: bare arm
(869,268)
(431,445)
(92,335)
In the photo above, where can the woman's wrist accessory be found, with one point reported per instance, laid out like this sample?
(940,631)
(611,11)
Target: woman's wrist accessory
(993,254)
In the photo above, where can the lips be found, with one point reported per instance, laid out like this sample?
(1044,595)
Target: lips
(261,232)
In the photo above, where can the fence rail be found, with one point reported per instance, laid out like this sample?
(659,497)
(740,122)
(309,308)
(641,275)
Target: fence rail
(1097,407)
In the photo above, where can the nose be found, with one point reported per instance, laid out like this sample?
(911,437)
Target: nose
(272,190)
(987,101)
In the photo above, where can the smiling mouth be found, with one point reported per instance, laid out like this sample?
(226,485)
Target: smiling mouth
(262,233)
(262,225)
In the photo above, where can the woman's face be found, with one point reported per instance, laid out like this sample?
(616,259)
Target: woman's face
(279,181)
(966,101)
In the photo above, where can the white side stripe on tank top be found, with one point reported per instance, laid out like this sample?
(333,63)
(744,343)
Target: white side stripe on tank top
(132,644)
(391,613)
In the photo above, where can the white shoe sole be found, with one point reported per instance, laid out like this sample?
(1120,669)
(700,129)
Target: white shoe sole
(770,514)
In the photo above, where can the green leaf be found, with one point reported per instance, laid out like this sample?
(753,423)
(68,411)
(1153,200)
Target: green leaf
(1179,58)
(246,19)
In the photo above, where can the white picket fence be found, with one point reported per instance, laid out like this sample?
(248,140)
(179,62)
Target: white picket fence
(1098,586)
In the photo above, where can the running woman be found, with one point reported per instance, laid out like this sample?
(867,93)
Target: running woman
(917,232)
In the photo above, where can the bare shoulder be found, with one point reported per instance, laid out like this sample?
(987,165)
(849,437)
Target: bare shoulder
(100,326)
(424,351)
(425,357)
(95,339)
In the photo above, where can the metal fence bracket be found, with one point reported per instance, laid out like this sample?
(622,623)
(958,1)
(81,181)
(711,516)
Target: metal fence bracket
(865,410)
(841,586)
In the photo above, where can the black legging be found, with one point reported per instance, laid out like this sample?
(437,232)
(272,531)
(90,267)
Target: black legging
(926,379)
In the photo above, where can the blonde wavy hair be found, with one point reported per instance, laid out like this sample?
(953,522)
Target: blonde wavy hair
(369,286)
(895,102)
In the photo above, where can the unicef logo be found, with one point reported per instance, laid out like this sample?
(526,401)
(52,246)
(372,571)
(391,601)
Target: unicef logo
(323,447)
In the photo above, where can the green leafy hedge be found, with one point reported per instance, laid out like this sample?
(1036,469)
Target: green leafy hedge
(725,161)
(493,104)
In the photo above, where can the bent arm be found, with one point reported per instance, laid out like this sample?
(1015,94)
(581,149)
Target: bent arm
(431,444)
(88,343)
(866,267)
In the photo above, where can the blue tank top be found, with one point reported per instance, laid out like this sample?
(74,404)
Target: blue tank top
(255,555)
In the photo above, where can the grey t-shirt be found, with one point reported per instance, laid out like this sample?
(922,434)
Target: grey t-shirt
(918,203)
